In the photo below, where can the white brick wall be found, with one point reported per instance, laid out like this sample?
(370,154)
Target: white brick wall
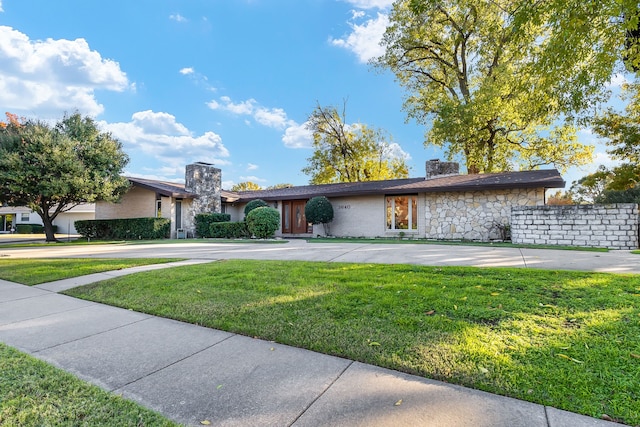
(612,226)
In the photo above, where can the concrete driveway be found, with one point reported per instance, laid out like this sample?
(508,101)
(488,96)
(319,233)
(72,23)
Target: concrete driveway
(423,254)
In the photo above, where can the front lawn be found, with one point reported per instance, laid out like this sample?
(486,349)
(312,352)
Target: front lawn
(33,393)
(35,271)
(570,340)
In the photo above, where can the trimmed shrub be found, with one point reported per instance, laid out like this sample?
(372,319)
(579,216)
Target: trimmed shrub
(319,210)
(204,221)
(125,229)
(33,228)
(24,228)
(229,230)
(254,204)
(263,222)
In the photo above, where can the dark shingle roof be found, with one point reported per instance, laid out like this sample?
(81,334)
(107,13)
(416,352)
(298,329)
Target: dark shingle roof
(167,189)
(176,189)
(548,178)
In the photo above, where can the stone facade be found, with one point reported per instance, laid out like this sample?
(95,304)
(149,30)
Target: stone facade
(205,181)
(612,226)
(474,215)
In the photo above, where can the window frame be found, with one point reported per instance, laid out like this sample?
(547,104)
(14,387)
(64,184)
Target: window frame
(412,214)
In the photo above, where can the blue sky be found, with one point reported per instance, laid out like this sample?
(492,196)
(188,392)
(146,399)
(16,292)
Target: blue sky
(229,82)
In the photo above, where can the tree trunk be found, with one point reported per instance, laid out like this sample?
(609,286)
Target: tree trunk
(48,229)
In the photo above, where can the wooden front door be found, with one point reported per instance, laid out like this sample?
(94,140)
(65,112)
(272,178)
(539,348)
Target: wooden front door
(293,219)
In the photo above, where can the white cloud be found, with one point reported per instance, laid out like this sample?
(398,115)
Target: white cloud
(297,136)
(1,9)
(273,117)
(251,167)
(160,136)
(252,178)
(618,79)
(396,151)
(364,39)
(49,77)
(178,18)
(370,4)
(186,71)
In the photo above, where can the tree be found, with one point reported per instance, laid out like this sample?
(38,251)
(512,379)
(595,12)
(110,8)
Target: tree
(319,210)
(53,169)
(350,153)
(623,134)
(254,204)
(279,186)
(591,187)
(560,199)
(246,186)
(492,78)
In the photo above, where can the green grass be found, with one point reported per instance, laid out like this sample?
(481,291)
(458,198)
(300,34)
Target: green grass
(33,393)
(449,242)
(35,271)
(570,340)
(83,242)
(635,252)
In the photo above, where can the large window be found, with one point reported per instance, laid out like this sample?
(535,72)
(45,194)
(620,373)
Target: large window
(402,213)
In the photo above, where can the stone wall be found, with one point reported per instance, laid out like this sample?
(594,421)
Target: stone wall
(474,215)
(612,226)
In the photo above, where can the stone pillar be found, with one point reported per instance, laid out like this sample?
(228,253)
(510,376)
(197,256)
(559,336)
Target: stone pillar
(435,168)
(205,181)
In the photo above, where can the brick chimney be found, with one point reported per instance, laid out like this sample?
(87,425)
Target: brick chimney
(435,168)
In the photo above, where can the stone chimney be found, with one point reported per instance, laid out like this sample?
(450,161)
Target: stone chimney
(205,181)
(435,168)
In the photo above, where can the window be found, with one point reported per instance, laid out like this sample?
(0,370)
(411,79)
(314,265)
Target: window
(178,214)
(24,217)
(158,208)
(402,212)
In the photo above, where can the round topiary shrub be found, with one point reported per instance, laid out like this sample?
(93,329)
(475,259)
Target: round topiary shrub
(263,222)
(257,203)
(319,211)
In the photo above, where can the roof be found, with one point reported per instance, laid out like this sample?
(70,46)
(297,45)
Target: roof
(167,189)
(176,189)
(546,178)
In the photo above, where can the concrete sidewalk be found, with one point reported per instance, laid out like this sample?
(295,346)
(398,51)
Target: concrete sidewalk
(191,374)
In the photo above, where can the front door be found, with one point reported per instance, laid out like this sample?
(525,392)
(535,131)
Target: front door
(293,219)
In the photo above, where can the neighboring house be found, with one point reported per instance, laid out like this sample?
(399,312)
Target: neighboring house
(12,216)
(441,205)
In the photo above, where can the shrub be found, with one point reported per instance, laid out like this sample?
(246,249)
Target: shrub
(257,203)
(204,221)
(24,228)
(631,195)
(319,210)
(229,230)
(263,222)
(125,229)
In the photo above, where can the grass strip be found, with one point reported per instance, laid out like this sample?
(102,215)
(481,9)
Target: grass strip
(450,243)
(566,339)
(35,271)
(33,393)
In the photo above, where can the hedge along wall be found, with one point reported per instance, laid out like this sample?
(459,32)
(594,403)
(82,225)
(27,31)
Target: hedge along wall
(127,229)
(612,226)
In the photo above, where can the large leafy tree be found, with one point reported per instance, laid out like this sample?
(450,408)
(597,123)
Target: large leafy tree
(492,78)
(349,153)
(52,169)
(246,186)
(622,132)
